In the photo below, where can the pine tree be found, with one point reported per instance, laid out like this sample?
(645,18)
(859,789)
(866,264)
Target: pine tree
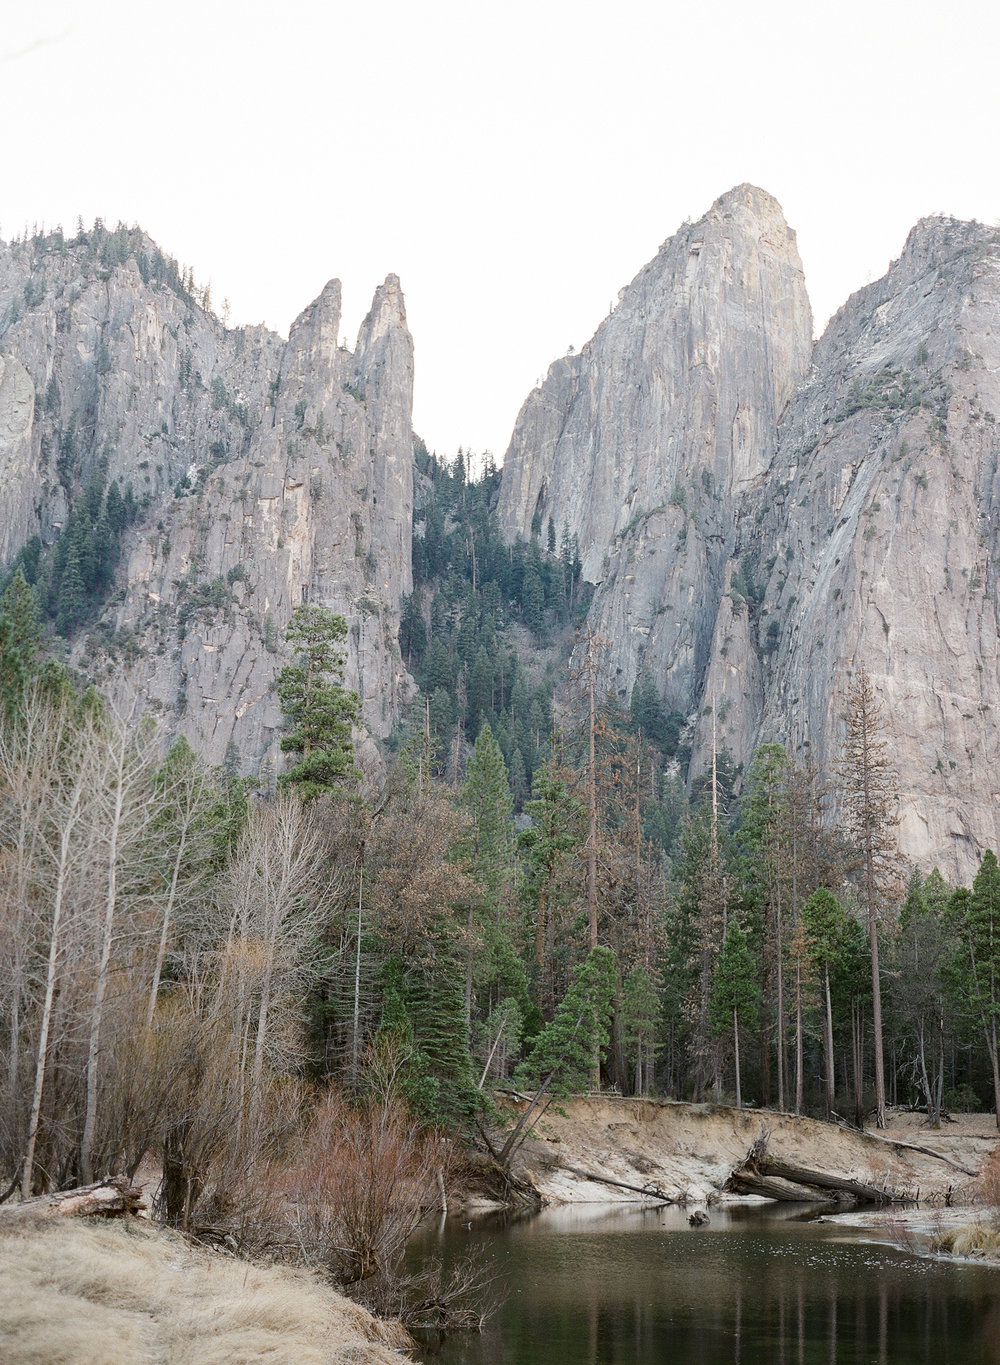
(922,950)
(439,670)
(518,777)
(639,1019)
(480,690)
(20,639)
(648,716)
(554,833)
(320,710)
(533,598)
(487,800)
(702,911)
(412,630)
(978,919)
(71,602)
(489,845)
(735,992)
(439,1081)
(764,833)
(115,509)
(870,800)
(562,1053)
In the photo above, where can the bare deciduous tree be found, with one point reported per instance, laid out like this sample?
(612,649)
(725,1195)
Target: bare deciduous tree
(120,759)
(44,782)
(276,889)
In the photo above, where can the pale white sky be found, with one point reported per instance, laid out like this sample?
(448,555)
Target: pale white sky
(515,164)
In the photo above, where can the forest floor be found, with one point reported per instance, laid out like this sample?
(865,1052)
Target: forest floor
(114,1293)
(688,1151)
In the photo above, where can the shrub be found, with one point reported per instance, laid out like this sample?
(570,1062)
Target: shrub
(361,1183)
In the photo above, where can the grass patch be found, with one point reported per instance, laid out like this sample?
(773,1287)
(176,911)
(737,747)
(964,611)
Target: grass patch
(117,1294)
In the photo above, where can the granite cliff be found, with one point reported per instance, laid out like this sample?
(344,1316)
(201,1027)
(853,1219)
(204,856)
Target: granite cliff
(265,473)
(642,443)
(874,542)
(761,516)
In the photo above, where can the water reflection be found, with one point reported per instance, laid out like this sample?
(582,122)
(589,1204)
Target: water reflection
(599,1285)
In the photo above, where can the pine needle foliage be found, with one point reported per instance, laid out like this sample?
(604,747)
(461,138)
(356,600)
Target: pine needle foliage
(320,709)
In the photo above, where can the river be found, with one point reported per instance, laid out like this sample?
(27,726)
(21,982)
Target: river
(612,1285)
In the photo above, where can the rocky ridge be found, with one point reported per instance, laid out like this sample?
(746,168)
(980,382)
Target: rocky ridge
(761,517)
(267,473)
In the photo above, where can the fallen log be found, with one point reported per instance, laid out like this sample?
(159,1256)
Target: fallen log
(943,1115)
(821,1180)
(517,1095)
(757,1171)
(111,1198)
(925,1151)
(649,1191)
(743,1181)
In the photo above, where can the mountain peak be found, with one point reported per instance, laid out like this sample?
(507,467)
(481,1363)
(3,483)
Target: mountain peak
(751,197)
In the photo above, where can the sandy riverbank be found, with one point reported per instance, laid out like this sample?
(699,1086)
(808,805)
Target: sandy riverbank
(689,1150)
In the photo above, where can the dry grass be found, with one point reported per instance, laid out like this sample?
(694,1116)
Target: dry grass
(112,1294)
(968,1239)
(981,1238)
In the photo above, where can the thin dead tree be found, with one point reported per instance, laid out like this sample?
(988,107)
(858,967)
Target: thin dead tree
(120,757)
(49,747)
(183,795)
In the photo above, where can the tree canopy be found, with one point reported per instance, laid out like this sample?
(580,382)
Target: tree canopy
(321,711)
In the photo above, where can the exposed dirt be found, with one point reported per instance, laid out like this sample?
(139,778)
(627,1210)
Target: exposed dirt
(689,1150)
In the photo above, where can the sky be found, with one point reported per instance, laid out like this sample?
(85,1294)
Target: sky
(515,164)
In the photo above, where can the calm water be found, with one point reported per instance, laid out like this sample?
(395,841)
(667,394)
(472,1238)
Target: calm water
(603,1286)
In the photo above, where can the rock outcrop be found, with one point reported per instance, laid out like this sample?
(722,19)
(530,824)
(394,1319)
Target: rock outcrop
(875,541)
(759,516)
(267,473)
(641,444)
(756,532)
(17,490)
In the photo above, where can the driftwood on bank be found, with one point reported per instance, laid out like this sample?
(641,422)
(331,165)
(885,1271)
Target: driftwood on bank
(925,1151)
(804,1184)
(111,1198)
(744,1180)
(758,1173)
(942,1115)
(652,1192)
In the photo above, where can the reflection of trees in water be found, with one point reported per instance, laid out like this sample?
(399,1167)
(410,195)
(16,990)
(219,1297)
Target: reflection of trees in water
(799,1301)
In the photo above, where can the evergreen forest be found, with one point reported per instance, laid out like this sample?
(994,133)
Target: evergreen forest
(298,985)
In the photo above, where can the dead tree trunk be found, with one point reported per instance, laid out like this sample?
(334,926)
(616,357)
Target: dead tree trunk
(107,1199)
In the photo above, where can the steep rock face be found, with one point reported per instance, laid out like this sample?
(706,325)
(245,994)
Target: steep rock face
(757,533)
(17,492)
(268,473)
(640,444)
(876,535)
